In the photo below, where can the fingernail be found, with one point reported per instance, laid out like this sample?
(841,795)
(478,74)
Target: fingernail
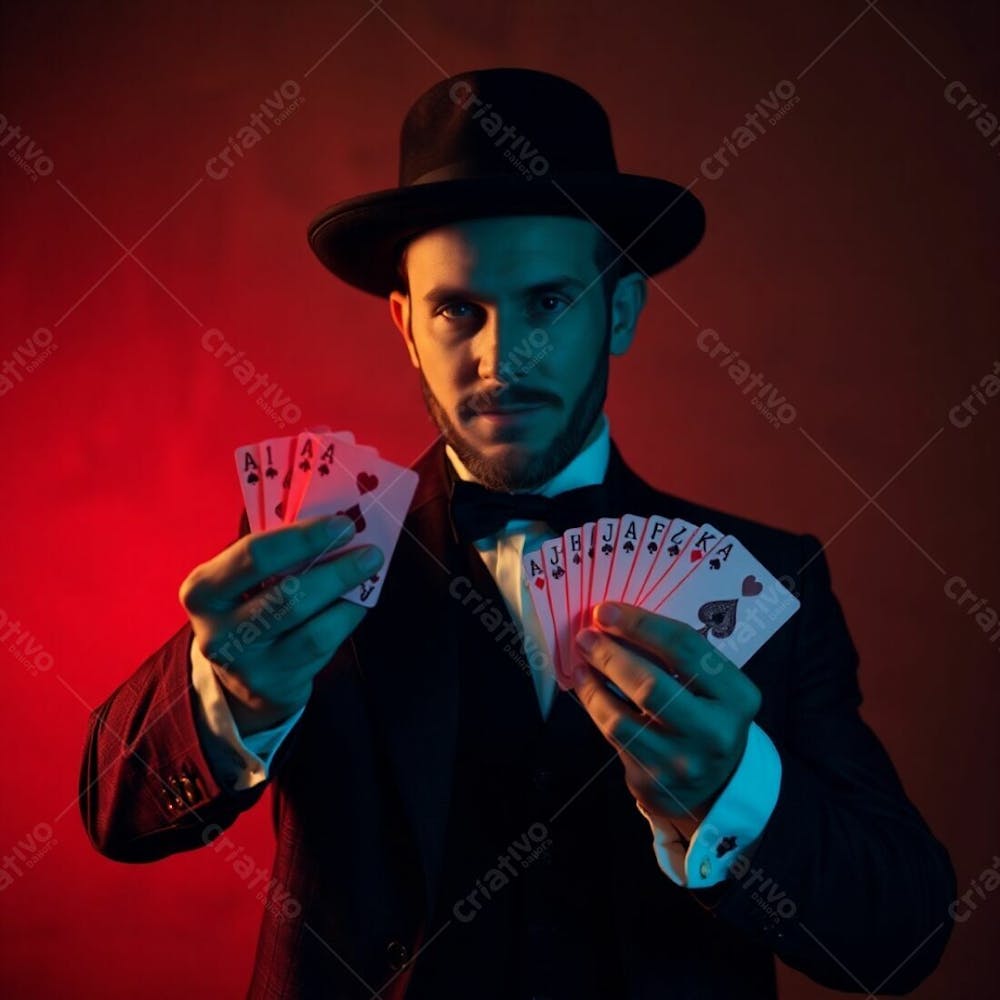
(586,638)
(370,559)
(608,614)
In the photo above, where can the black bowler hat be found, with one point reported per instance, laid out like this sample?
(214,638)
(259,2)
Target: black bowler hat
(505,141)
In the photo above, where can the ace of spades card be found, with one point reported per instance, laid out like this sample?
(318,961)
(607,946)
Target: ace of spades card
(732,600)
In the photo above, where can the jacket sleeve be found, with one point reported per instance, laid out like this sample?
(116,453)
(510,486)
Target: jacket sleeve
(847,883)
(147,789)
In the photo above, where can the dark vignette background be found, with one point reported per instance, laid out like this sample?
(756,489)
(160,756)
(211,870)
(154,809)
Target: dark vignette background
(850,257)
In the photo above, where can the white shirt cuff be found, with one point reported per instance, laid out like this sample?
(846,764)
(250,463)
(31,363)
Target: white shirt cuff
(237,762)
(737,819)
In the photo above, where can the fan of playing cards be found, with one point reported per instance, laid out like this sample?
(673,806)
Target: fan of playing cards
(672,567)
(321,472)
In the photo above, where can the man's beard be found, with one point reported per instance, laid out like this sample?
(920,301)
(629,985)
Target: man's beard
(530,473)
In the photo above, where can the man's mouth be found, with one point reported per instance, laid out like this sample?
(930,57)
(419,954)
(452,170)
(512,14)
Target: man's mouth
(508,415)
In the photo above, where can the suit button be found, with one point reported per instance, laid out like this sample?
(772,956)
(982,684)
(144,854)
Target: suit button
(168,791)
(398,955)
(188,790)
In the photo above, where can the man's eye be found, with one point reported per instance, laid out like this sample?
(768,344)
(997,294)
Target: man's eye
(551,303)
(456,307)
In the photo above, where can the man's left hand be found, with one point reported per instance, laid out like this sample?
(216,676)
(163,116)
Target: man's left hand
(695,706)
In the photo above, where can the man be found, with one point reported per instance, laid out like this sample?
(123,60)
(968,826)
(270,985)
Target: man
(448,821)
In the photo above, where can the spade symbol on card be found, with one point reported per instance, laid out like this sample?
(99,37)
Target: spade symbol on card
(279,511)
(304,465)
(673,550)
(367,481)
(323,469)
(271,472)
(577,558)
(354,513)
(717,617)
(253,478)
(628,546)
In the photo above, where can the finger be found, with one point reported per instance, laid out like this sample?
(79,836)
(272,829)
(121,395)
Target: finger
(642,746)
(297,597)
(313,642)
(617,721)
(674,642)
(651,688)
(219,584)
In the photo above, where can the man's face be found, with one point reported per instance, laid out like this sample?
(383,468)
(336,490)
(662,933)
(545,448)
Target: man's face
(507,323)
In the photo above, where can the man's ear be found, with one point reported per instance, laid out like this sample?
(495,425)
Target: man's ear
(399,309)
(627,304)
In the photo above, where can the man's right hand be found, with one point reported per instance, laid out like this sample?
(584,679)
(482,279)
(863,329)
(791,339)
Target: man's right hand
(269,617)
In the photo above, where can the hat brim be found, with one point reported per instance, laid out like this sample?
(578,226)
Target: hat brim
(655,222)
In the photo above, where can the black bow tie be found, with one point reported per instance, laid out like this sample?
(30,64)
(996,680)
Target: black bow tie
(477,511)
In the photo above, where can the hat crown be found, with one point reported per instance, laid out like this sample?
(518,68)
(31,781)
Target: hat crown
(500,121)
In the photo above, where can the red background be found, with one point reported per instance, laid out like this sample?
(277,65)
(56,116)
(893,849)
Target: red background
(850,256)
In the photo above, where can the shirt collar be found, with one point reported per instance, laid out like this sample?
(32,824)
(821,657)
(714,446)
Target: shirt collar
(588,468)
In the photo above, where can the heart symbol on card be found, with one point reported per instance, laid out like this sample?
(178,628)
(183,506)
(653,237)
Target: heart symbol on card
(367,481)
(751,586)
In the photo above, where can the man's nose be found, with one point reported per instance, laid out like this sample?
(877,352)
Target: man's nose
(498,343)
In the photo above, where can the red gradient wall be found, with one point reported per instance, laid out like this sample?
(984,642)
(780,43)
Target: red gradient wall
(850,257)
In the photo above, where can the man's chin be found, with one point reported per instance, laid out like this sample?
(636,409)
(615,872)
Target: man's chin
(502,459)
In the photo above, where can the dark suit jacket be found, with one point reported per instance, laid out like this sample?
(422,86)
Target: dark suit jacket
(847,883)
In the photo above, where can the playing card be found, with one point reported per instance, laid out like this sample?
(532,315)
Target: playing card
(554,560)
(349,479)
(536,581)
(654,536)
(732,600)
(249,470)
(630,530)
(604,547)
(573,547)
(302,460)
(276,456)
(700,543)
(679,536)
(589,532)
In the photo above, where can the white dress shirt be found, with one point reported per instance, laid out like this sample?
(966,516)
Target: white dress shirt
(738,815)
